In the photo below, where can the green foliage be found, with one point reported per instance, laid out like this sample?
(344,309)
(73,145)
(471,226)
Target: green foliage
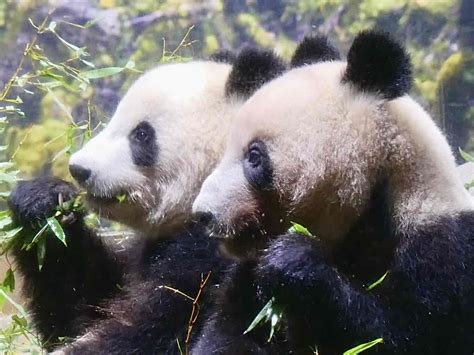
(270,313)
(362,347)
(377,282)
(298,228)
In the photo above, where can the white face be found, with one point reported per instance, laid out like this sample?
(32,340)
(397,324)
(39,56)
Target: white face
(163,140)
(321,144)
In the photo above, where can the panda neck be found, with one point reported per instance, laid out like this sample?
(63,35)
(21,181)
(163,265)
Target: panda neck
(423,181)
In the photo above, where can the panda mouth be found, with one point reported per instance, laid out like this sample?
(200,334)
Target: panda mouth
(224,232)
(118,198)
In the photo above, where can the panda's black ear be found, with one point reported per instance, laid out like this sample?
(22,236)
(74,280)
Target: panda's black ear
(378,64)
(251,69)
(314,49)
(223,56)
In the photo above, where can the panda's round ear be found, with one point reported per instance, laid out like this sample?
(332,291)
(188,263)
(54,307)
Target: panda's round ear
(314,49)
(378,64)
(223,56)
(251,69)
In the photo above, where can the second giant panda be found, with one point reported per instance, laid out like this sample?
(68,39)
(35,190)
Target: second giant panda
(341,148)
(164,138)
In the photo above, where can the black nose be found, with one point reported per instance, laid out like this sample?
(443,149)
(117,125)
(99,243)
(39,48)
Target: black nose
(79,173)
(204,218)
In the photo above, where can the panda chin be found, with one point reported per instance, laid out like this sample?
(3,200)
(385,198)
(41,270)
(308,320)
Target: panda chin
(241,245)
(108,206)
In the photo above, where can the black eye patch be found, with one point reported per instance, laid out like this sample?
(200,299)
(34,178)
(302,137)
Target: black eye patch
(257,166)
(143,144)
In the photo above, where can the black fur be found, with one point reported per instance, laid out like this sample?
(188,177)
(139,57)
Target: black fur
(147,318)
(314,49)
(379,65)
(236,307)
(253,68)
(424,305)
(143,144)
(223,56)
(87,285)
(64,296)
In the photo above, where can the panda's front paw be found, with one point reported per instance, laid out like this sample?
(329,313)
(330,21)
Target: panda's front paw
(31,202)
(290,265)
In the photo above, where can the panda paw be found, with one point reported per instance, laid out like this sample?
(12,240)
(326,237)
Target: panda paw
(292,264)
(31,202)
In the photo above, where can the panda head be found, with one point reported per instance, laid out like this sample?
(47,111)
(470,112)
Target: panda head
(312,146)
(165,137)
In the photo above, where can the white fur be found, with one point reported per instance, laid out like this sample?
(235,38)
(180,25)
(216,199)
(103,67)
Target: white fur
(185,104)
(328,144)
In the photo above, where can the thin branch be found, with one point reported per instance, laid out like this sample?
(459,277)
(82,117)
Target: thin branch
(195,312)
(177,291)
(40,29)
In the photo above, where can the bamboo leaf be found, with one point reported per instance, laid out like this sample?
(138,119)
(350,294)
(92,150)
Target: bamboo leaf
(41,252)
(362,347)
(9,282)
(11,233)
(56,228)
(108,71)
(262,315)
(102,72)
(37,237)
(466,156)
(18,307)
(298,228)
(5,222)
(378,282)
(272,313)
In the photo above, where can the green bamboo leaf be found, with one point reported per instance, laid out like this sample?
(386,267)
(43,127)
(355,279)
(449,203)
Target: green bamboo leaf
(108,71)
(36,238)
(41,252)
(56,228)
(362,347)
(8,283)
(9,177)
(261,316)
(378,282)
(5,222)
(277,313)
(102,72)
(21,321)
(298,228)
(18,307)
(11,233)
(466,156)
(272,313)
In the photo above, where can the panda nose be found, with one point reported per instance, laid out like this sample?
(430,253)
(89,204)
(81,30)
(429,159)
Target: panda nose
(79,173)
(204,218)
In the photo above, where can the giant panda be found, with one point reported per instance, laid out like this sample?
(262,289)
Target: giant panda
(163,140)
(340,148)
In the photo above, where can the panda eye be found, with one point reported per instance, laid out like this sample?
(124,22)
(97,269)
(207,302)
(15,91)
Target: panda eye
(254,156)
(257,166)
(141,135)
(143,145)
